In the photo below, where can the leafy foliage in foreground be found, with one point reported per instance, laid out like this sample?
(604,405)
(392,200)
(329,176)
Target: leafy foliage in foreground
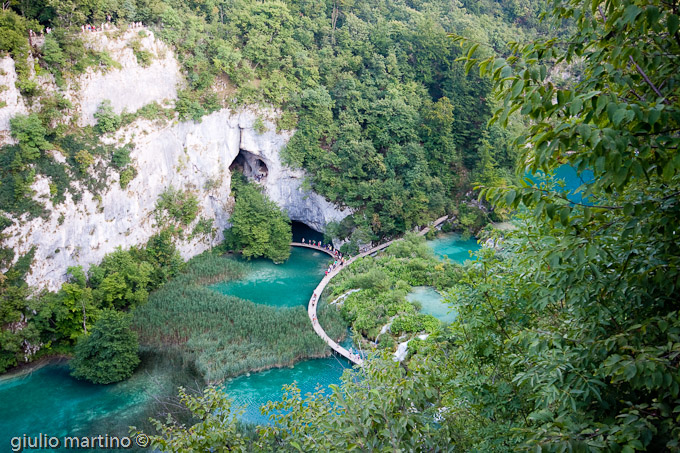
(225,335)
(581,320)
(378,408)
(215,425)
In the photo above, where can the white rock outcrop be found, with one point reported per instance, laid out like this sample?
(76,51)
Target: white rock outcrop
(283,184)
(132,86)
(193,156)
(11,102)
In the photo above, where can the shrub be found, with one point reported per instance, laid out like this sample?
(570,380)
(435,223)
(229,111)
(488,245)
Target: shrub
(144,57)
(30,132)
(84,159)
(259,228)
(126,176)
(259,126)
(121,156)
(107,119)
(109,353)
(176,205)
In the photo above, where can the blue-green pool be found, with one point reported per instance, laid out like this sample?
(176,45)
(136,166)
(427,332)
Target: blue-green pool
(453,247)
(281,285)
(50,401)
(432,302)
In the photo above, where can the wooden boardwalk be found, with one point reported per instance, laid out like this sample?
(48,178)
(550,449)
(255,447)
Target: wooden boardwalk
(314,300)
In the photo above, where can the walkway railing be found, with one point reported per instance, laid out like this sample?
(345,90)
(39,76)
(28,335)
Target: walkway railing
(314,300)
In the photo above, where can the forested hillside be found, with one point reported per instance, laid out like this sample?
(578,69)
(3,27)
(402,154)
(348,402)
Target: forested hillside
(568,331)
(375,80)
(386,123)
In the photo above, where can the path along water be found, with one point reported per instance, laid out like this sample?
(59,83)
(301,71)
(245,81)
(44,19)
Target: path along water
(313,301)
(50,401)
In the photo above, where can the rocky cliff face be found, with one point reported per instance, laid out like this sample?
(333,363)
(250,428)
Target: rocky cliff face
(11,102)
(187,155)
(133,86)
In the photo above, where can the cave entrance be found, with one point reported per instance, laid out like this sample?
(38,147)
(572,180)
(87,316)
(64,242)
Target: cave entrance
(302,230)
(252,167)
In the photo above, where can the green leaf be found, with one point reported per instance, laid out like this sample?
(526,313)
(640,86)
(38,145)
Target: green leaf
(668,170)
(653,14)
(654,115)
(672,23)
(550,210)
(510,197)
(631,12)
(564,216)
(517,88)
(619,116)
(601,103)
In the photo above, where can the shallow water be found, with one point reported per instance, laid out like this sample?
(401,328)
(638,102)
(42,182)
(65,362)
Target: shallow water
(453,247)
(280,285)
(432,302)
(255,390)
(51,402)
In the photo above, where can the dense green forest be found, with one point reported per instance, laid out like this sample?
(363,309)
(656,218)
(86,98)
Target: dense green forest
(372,79)
(568,331)
(567,336)
(375,78)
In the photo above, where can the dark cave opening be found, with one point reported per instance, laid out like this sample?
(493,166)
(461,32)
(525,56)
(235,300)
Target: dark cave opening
(251,165)
(302,230)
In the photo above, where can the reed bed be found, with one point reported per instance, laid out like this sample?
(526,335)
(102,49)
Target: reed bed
(225,335)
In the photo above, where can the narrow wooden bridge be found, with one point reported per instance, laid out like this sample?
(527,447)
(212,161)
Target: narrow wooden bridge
(314,300)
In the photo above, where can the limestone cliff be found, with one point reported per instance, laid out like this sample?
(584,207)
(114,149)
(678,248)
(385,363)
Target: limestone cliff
(194,156)
(11,102)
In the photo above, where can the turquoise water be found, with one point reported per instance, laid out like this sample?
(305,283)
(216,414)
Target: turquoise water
(432,303)
(51,402)
(255,390)
(572,181)
(281,285)
(452,246)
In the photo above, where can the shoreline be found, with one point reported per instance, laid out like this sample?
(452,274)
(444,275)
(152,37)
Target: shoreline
(28,368)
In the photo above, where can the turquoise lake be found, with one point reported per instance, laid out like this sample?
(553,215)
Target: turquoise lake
(49,401)
(453,247)
(280,285)
(432,302)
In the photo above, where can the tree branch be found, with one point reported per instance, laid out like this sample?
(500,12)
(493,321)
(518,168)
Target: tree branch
(649,82)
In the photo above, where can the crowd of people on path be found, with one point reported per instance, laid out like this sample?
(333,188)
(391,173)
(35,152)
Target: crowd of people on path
(355,357)
(339,258)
